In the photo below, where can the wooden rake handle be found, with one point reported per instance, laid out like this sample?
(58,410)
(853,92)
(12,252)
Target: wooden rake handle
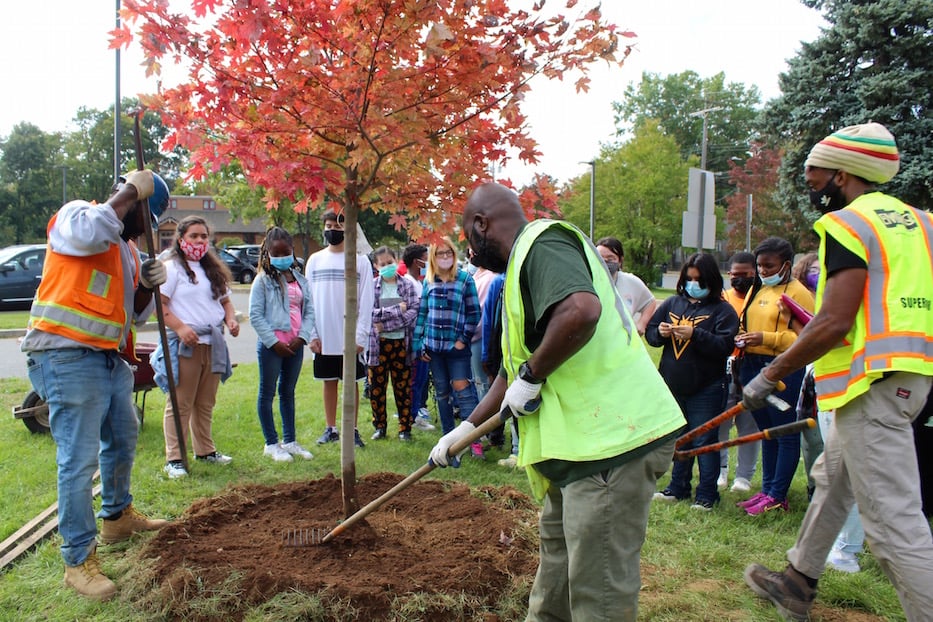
(485,428)
(767,435)
(721,418)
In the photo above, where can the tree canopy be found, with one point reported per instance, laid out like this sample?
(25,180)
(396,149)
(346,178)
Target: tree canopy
(873,63)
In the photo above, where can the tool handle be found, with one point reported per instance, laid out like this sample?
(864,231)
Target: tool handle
(725,416)
(769,434)
(485,428)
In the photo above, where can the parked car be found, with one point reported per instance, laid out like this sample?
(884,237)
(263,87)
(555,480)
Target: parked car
(242,272)
(246,252)
(20,273)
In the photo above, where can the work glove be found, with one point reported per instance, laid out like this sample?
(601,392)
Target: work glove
(440,456)
(522,397)
(142,181)
(151,273)
(756,391)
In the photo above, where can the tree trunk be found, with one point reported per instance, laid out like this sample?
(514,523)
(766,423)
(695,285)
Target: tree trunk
(350,388)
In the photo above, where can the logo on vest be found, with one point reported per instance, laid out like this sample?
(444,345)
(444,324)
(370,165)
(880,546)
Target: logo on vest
(916,302)
(892,219)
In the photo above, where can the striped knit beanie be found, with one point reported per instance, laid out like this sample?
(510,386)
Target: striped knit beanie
(867,151)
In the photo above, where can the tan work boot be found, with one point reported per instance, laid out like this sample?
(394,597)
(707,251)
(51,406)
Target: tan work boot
(87,579)
(130,522)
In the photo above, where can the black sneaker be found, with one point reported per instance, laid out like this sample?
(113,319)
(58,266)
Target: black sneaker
(357,440)
(331,435)
(378,435)
(704,505)
(404,436)
(215,457)
(788,590)
(667,495)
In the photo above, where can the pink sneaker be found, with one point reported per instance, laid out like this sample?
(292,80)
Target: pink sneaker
(476,450)
(751,501)
(767,504)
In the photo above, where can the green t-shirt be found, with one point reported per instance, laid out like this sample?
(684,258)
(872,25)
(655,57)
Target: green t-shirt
(555,268)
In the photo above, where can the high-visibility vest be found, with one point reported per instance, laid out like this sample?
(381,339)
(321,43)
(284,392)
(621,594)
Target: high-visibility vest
(893,329)
(82,297)
(606,399)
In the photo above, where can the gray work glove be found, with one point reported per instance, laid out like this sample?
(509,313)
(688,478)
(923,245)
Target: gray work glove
(756,391)
(151,273)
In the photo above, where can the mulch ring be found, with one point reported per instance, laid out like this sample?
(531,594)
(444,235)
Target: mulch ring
(437,548)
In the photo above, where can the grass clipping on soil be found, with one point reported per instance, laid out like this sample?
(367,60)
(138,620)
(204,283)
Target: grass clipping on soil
(437,550)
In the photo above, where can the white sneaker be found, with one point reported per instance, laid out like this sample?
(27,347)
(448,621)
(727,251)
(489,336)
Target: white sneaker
(175,469)
(294,449)
(842,561)
(215,457)
(741,485)
(277,453)
(723,480)
(423,424)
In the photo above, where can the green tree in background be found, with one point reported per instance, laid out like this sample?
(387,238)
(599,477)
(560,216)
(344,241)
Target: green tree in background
(641,193)
(28,176)
(873,63)
(672,99)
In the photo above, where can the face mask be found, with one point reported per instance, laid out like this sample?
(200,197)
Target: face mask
(613,267)
(774,279)
(334,237)
(742,284)
(388,271)
(694,290)
(193,252)
(812,279)
(282,263)
(828,199)
(445,263)
(423,272)
(483,256)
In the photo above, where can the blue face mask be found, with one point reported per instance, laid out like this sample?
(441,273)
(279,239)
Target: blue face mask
(388,271)
(694,290)
(774,279)
(282,263)
(424,271)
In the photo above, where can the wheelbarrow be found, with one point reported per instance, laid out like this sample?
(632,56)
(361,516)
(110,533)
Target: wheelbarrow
(35,412)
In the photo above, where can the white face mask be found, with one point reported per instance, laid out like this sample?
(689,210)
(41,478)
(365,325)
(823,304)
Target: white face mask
(445,263)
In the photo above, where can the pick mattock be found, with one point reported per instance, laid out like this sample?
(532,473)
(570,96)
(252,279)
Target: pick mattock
(304,537)
(157,296)
(771,433)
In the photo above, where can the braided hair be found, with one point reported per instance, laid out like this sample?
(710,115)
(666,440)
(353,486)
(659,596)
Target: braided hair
(274,234)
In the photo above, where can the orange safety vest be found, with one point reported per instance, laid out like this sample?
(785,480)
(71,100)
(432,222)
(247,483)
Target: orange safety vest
(81,298)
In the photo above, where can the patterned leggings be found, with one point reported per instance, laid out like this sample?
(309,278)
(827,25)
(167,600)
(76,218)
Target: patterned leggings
(392,361)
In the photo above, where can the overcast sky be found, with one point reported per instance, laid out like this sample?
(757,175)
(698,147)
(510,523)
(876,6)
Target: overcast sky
(55,59)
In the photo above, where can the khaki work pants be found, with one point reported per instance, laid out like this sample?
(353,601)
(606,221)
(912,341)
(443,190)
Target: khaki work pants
(196,391)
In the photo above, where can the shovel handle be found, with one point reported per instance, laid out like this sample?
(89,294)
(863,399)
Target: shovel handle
(485,428)
(721,418)
(767,435)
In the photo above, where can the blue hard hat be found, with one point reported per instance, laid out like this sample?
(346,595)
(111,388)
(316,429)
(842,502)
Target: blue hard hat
(158,202)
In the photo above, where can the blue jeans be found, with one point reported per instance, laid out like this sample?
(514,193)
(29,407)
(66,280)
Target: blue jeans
(419,386)
(92,418)
(446,367)
(476,362)
(698,409)
(779,457)
(284,371)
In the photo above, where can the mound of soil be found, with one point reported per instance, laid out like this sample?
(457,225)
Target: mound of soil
(433,538)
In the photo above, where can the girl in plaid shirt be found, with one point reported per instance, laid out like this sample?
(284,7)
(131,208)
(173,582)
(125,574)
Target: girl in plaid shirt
(447,318)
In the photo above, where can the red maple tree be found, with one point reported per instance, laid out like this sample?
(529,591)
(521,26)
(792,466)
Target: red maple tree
(392,105)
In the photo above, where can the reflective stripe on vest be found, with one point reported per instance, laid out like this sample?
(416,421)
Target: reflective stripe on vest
(887,335)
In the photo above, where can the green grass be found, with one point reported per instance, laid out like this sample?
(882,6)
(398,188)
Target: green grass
(13,319)
(692,562)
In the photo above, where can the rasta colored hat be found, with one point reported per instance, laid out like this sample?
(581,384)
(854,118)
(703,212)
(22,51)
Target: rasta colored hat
(867,151)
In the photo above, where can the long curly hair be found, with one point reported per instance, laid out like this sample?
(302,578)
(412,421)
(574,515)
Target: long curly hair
(216,270)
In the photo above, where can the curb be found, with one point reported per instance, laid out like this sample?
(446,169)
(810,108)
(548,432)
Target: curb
(16,333)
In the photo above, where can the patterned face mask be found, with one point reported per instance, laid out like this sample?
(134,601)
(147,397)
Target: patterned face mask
(193,252)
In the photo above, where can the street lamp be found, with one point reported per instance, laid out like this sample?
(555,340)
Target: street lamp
(64,183)
(116,112)
(592,164)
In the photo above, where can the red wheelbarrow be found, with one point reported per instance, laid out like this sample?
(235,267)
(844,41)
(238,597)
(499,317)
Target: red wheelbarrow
(35,412)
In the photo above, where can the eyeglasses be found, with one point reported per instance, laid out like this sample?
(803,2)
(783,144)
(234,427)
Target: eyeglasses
(444,254)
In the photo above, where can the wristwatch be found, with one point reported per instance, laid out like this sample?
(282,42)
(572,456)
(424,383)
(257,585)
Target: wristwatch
(524,372)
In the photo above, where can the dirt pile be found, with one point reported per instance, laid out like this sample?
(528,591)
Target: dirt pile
(437,548)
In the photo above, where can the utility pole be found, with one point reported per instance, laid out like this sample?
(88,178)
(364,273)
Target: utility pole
(64,183)
(748,225)
(116,113)
(592,164)
(703,113)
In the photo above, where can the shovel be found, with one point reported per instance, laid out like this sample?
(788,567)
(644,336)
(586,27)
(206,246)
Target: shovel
(306,537)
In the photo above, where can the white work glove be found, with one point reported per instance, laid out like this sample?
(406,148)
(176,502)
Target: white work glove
(151,273)
(440,456)
(756,391)
(142,181)
(522,397)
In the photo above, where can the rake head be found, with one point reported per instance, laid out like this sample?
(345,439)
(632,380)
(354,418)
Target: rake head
(303,537)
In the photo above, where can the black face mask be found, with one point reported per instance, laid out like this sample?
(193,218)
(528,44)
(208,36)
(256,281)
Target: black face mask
(742,284)
(334,237)
(828,199)
(483,256)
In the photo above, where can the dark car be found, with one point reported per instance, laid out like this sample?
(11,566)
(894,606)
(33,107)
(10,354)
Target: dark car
(246,252)
(20,273)
(242,272)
